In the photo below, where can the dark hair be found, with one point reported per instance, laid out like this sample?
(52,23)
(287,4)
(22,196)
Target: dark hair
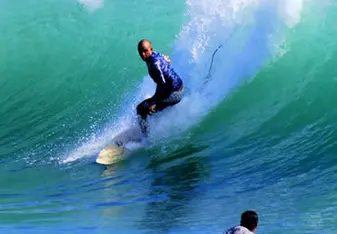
(249,219)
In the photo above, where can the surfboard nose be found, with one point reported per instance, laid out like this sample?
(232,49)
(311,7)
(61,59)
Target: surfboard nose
(110,155)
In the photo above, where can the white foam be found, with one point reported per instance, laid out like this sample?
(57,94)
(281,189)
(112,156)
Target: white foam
(291,11)
(92,4)
(92,146)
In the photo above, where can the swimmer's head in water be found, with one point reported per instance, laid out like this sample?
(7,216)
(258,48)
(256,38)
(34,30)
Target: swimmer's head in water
(145,49)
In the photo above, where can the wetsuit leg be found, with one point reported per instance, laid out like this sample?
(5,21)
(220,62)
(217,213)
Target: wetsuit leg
(172,100)
(143,112)
(162,105)
(143,108)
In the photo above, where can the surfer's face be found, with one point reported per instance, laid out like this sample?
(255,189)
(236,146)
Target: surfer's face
(145,51)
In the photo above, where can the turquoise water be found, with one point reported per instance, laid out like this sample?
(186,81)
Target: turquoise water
(259,135)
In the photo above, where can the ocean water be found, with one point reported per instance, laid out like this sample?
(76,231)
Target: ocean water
(256,131)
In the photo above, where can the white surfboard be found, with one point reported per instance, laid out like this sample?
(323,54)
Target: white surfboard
(116,151)
(110,155)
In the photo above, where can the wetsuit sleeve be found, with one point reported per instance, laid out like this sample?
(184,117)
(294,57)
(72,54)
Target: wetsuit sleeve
(159,95)
(161,90)
(161,81)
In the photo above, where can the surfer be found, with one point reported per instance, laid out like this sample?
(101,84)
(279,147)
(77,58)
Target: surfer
(170,86)
(248,224)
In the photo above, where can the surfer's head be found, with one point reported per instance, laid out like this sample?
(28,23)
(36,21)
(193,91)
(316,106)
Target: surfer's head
(249,220)
(145,49)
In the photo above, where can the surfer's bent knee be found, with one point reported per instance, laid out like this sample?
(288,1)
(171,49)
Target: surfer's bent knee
(142,110)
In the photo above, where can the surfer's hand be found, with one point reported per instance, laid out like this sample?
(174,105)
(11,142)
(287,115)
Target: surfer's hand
(167,58)
(152,108)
